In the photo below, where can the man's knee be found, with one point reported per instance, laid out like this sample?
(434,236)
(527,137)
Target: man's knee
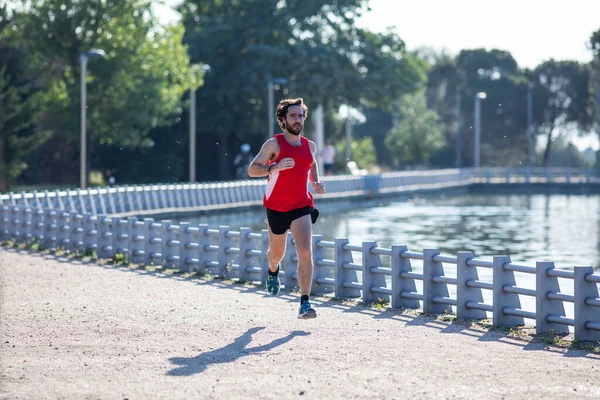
(304,253)
(275,255)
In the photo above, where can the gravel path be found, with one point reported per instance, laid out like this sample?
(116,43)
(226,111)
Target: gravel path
(86,331)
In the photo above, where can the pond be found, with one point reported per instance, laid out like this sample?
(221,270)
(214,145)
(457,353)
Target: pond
(528,228)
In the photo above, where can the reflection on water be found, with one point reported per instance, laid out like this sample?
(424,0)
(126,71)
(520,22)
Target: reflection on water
(529,228)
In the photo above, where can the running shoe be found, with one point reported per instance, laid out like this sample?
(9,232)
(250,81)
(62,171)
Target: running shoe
(273,284)
(306,311)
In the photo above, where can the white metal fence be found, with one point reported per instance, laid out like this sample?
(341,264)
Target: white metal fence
(136,200)
(437,283)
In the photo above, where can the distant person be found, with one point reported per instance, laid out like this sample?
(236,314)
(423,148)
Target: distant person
(328,156)
(242,162)
(288,159)
(111,181)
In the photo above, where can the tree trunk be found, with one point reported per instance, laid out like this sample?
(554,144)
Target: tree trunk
(3,166)
(548,147)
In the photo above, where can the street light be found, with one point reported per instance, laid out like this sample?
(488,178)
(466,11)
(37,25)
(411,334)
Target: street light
(83,156)
(478,97)
(205,69)
(271,87)
(529,125)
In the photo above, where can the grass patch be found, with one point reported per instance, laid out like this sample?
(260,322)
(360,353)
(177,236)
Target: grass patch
(119,259)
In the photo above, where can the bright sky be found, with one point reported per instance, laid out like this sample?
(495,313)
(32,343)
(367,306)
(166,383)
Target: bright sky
(531,30)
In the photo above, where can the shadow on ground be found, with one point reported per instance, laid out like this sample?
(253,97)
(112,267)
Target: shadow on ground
(239,348)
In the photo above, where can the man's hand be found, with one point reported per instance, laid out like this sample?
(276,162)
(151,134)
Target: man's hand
(284,163)
(319,187)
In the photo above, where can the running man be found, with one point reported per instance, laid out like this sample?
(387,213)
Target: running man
(288,159)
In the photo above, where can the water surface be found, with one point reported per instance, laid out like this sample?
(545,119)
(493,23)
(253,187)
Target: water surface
(528,228)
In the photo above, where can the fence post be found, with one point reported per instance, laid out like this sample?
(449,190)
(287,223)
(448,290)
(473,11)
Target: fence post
(153,242)
(464,294)
(37,225)
(4,222)
(544,306)
(245,260)
(76,232)
(105,237)
(370,279)
(342,274)
(101,201)
(90,233)
(203,241)
(528,175)
(121,237)
(26,224)
(64,230)
(290,264)
(432,289)
(110,196)
(225,259)
(319,271)
(189,248)
(264,262)
(502,299)
(584,313)
(15,224)
(400,284)
(50,229)
(137,239)
(171,246)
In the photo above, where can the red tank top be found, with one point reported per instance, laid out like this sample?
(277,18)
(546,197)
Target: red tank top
(288,189)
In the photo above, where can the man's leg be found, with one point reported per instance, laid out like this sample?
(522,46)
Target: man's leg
(302,231)
(276,249)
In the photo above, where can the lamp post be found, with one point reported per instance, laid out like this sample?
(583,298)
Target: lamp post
(529,125)
(83,156)
(271,87)
(477,147)
(458,160)
(192,166)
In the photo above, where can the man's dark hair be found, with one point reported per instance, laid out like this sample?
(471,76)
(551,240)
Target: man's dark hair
(283,106)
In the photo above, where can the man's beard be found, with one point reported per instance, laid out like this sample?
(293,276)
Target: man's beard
(294,130)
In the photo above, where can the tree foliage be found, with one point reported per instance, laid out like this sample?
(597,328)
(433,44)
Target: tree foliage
(561,88)
(416,134)
(137,87)
(22,101)
(315,45)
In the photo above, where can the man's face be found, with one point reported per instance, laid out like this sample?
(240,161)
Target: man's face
(294,120)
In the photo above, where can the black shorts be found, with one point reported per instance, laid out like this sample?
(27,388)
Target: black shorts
(280,222)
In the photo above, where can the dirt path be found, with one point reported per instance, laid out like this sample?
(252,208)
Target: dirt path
(84,331)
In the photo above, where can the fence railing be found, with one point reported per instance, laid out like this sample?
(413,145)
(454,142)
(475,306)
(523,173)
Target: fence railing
(533,175)
(137,200)
(404,278)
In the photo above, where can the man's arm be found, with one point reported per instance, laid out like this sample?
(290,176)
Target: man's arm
(259,165)
(313,176)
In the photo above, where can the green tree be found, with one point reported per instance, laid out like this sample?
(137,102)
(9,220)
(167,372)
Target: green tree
(561,88)
(21,103)
(504,112)
(595,84)
(138,87)
(417,133)
(314,44)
